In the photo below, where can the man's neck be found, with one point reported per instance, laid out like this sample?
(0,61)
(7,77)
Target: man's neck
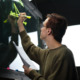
(52,43)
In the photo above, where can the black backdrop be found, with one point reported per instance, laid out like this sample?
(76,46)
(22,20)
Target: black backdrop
(68,8)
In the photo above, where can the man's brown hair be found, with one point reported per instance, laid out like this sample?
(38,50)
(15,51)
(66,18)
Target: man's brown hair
(58,24)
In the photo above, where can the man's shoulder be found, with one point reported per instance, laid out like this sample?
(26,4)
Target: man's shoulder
(68,54)
(64,51)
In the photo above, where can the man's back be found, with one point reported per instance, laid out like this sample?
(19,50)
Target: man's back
(59,64)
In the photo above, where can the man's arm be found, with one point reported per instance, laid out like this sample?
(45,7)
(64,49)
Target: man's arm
(32,74)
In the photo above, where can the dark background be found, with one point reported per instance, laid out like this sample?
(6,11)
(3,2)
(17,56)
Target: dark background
(68,8)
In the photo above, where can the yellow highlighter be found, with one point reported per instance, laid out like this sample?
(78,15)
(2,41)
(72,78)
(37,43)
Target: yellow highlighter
(17,15)
(28,17)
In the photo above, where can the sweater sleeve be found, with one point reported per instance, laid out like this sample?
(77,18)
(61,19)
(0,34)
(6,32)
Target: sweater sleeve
(34,52)
(35,75)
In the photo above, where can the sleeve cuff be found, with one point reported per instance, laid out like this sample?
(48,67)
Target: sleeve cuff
(34,74)
(22,34)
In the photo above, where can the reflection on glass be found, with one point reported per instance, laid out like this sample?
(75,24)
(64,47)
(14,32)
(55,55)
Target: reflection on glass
(8,27)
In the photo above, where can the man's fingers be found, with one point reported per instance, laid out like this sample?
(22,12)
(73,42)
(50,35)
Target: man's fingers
(23,13)
(25,67)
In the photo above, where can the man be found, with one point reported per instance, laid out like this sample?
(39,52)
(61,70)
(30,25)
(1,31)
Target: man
(56,62)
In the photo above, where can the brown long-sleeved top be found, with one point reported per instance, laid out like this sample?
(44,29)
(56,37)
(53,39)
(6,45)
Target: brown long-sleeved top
(55,64)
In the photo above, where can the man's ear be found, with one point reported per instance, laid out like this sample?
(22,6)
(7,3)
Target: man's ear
(49,31)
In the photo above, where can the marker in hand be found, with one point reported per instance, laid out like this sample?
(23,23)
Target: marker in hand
(17,15)
(28,17)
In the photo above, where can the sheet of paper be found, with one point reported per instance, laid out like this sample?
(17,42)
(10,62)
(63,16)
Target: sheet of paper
(24,57)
